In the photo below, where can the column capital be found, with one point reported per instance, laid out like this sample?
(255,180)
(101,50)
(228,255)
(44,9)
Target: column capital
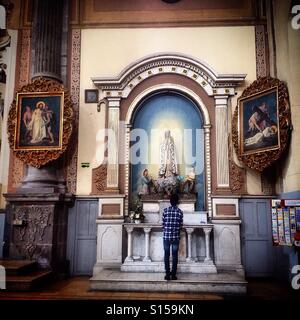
(129,229)
(147,229)
(189,230)
(113,102)
(207,230)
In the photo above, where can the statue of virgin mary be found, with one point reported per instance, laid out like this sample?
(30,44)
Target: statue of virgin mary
(168,162)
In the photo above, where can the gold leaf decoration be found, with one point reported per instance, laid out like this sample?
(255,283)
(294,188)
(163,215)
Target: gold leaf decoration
(261,160)
(42,156)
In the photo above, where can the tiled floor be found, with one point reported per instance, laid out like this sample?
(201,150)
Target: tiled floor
(78,288)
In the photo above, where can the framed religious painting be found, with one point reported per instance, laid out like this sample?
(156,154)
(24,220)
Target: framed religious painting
(261,123)
(39,122)
(91,96)
(258,118)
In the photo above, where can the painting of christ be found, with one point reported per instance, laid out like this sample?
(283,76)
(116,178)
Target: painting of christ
(39,121)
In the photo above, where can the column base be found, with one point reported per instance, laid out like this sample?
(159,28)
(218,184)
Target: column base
(129,259)
(182,267)
(147,259)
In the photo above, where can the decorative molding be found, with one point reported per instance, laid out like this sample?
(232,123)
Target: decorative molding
(38,158)
(237,178)
(268,181)
(167,86)
(207,139)
(219,86)
(157,13)
(29,239)
(212,82)
(224,206)
(16,169)
(225,209)
(99,179)
(24,62)
(237,174)
(71,157)
(262,52)
(261,160)
(111,207)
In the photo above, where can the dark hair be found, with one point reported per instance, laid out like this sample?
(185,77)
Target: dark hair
(174,199)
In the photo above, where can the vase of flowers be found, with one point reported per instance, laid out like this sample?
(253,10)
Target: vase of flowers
(136,215)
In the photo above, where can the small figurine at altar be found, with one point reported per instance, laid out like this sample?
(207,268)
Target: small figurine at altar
(189,183)
(146,184)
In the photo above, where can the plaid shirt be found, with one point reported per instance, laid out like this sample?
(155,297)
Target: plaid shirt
(172,222)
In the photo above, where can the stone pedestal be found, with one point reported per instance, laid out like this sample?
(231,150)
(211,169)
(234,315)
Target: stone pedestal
(38,228)
(153,210)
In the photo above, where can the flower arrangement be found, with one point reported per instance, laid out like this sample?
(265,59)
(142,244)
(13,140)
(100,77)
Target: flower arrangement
(137,214)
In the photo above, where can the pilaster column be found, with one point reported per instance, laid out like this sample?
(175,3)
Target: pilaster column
(147,231)
(208,167)
(127,164)
(47,38)
(189,232)
(113,144)
(222,141)
(129,230)
(207,232)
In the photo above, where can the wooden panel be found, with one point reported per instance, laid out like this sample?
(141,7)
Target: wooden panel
(257,250)
(225,210)
(157,12)
(111,209)
(2,224)
(82,236)
(85,257)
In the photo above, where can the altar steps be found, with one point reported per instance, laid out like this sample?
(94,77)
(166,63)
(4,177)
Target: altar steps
(24,275)
(116,280)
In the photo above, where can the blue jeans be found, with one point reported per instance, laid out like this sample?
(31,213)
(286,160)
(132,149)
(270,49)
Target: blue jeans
(175,247)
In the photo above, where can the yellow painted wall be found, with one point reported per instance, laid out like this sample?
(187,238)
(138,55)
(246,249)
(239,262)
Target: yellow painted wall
(288,70)
(106,52)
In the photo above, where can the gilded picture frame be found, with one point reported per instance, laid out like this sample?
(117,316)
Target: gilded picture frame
(39,122)
(261,123)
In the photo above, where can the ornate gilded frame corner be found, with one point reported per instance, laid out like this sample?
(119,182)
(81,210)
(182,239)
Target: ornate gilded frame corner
(42,155)
(263,158)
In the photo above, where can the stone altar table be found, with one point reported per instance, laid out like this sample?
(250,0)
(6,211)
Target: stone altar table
(145,248)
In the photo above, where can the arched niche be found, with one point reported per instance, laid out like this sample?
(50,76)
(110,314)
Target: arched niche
(117,90)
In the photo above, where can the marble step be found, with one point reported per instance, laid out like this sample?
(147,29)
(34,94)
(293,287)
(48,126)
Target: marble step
(116,280)
(18,267)
(28,282)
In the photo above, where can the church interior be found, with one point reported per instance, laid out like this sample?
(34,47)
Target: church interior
(109,107)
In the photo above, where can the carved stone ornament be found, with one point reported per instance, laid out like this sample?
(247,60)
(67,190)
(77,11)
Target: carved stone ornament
(99,176)
(261,123)
(36,152)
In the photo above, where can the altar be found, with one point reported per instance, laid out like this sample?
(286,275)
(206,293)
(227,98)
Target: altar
(145,251)
(161,140)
